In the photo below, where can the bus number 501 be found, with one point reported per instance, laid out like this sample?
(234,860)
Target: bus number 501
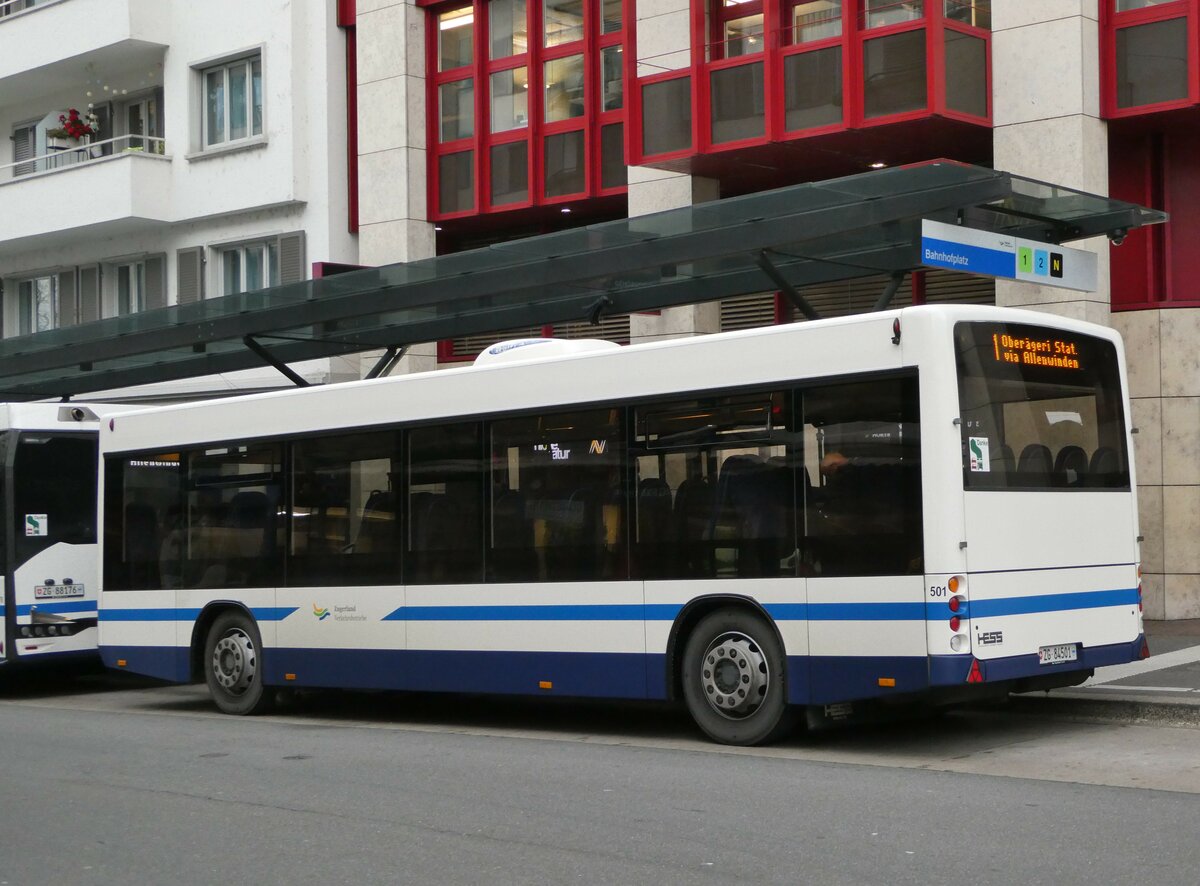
(937,591)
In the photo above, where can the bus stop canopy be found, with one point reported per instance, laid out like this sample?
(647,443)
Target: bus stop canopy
(785,239)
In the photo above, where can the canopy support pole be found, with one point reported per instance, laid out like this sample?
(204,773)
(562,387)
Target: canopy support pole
(789,291)
(268,358)
(889,291)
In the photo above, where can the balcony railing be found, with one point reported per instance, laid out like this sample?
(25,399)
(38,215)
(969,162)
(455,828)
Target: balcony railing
(85,152)
(12,7)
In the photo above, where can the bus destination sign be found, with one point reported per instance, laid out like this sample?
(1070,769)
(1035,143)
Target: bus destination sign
(1053,352)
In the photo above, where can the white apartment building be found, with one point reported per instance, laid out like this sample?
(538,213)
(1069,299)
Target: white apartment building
(216,161)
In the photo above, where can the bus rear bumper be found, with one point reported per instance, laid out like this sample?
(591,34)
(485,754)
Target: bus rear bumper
(953,670)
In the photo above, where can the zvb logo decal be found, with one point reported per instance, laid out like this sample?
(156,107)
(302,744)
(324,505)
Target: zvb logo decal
(321,614)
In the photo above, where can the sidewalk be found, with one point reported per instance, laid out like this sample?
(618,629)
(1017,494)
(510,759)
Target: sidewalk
(1166,686)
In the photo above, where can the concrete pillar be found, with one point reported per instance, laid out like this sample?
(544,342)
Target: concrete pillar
(664,43)
(653,190)
(1046,114)
(392,212)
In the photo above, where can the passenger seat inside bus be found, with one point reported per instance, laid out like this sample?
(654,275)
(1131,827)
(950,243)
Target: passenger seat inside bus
(1035,465)
(1071,466)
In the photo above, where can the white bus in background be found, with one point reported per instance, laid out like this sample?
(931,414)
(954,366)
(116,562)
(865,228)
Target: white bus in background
(48,543)
(930,503)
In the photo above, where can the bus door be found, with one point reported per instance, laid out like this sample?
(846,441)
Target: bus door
(863,539)
(50,591)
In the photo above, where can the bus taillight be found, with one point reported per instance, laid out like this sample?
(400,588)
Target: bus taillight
(954,623)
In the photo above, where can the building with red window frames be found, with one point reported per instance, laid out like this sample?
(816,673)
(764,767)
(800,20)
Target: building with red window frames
(483,120)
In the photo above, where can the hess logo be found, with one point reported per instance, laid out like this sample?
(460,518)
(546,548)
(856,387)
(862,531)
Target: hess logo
(989,638)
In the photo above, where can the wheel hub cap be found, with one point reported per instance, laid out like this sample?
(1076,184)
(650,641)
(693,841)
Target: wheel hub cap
(734,676)
(234,662)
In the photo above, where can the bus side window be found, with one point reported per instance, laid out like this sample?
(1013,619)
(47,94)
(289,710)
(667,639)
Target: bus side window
(715,488)
(343,510)
(557,497)
(446,473)
(864,516)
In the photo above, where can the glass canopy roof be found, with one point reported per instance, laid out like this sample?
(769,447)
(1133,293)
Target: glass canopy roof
(860,225)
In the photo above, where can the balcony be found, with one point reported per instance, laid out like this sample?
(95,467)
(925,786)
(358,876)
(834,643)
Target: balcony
(107,187)
(52,43)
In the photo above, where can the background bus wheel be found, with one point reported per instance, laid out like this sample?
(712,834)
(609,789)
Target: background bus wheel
(233,665)
(734,679)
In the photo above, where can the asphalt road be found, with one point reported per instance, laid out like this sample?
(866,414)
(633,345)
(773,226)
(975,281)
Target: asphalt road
(107,780)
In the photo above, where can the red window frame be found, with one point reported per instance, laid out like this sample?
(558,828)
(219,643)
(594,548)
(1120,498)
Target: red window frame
(1112,21)
(537,130)
(708,19)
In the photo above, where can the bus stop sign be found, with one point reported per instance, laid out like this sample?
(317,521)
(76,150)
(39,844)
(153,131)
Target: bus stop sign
(989,254)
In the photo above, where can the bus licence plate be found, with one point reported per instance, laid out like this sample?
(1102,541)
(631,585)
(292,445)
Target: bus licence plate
(1049,655)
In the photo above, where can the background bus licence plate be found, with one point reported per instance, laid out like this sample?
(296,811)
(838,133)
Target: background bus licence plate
(1058,654)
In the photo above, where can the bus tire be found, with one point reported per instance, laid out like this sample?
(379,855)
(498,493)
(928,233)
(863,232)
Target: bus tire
(233,665)
(734,678)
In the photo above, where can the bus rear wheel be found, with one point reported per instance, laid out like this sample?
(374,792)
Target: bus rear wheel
(233,665)
(734,679)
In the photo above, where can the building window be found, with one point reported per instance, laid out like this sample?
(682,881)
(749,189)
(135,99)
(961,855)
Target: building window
(894,74)
(667,116)
(541,93)
(976,13)
(812,88)
(249,266)
(737,103)
(233,102)
(37,300)
(143,123)
(966,73)
(562,21)
(881,13)
(1129,5)
(455,36)
(131,288)
(1152,63)
(564,88)
(737,28)
(508,28)
(814,20)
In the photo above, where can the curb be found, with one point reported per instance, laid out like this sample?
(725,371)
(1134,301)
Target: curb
(1116,708)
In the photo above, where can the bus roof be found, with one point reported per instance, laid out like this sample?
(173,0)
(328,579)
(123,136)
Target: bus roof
(838,346)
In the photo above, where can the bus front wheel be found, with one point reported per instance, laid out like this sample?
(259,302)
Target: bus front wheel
(233,665)
(734,679)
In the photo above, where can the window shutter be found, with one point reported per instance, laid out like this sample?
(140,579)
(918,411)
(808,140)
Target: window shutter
(190,274)
(68,302)
(156,282)
(23,145)
(2,311)
(291,258)
(89,294)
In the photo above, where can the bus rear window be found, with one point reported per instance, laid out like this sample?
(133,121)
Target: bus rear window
(1041,408)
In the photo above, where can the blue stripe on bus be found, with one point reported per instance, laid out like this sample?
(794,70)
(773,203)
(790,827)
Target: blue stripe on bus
(655,612)
(902,611)
(64,606)
(1052,603)
(262,613)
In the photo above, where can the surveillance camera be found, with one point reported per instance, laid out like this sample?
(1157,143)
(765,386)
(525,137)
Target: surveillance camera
(78,414)
(1117,237)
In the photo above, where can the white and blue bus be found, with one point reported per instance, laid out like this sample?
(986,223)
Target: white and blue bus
(48,548)
(933,502)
